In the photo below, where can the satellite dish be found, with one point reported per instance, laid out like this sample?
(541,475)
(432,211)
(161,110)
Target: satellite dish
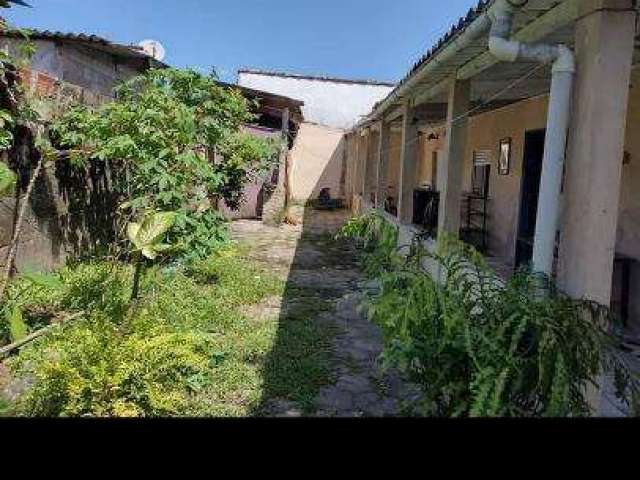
(154,49)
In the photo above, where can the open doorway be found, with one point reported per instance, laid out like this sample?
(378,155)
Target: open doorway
(530,192)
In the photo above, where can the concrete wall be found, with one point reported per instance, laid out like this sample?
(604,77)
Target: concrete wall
(93,70)
(331,103)
(70,213)
(317,160)
(71,210)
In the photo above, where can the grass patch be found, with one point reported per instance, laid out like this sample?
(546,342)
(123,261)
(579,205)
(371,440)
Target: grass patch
(5,408)
(186,349)
(299,364)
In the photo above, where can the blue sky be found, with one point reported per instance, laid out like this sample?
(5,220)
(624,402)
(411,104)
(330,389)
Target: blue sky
(372,39)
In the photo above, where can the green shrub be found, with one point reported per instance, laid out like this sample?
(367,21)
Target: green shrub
(183,344)
(378,239)
(483,348)
(93,369)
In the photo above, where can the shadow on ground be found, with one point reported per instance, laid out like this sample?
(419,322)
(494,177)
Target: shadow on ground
(325,358)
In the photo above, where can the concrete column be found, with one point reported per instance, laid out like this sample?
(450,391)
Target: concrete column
(408,166)
(453,161)
(383,156)
(374,152)
(604,50)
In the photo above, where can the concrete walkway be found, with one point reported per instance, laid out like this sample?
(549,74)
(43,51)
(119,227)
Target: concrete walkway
(306,255)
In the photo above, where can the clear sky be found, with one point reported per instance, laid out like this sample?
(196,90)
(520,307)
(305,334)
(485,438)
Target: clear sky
(368,39)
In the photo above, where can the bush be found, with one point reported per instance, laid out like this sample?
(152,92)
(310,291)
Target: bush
(482,348)
(184,338)
(94,370)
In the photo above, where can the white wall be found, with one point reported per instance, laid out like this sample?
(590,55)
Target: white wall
(330,103)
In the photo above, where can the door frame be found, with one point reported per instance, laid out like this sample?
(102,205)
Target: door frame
(521,190)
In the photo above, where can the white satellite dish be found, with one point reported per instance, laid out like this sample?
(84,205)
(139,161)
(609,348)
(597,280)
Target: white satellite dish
(154,49)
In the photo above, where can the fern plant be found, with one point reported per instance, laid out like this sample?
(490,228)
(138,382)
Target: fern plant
(481,347)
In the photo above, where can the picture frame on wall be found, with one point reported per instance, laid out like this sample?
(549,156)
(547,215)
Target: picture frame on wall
(504,165)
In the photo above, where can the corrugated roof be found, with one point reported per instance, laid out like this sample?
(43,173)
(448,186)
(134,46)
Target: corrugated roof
(446,39)
(122,50)
(321,78)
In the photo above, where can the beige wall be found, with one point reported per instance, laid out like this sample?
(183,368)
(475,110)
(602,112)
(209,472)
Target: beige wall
(629,223)
(317,159)
(485,133)
(393,171)
(427,169)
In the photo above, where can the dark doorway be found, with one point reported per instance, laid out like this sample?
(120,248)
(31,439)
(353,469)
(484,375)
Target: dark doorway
(531,175)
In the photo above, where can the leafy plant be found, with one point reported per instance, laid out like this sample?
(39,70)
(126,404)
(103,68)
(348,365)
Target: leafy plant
(483,348)
(7,180)
(17,327)
(186,350)
(147,239)
(163,130)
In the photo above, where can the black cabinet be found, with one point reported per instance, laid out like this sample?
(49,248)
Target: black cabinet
(426,205)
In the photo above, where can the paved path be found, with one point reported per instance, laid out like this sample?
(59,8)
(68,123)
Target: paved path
(307,256)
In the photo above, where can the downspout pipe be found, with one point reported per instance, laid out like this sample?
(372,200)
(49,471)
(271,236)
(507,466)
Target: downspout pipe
(559,115)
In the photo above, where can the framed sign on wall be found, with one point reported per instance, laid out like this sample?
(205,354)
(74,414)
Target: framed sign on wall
(504,166)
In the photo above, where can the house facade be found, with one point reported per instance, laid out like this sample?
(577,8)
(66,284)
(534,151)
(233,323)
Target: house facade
(518,133)
(69,213)
(331,107)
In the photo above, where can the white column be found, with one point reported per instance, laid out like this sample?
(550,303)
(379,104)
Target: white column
(604,50)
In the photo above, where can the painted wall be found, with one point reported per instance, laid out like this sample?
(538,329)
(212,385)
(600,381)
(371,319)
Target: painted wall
(317,160)
(485,133)
(393,171)
(628,242)
(334,104)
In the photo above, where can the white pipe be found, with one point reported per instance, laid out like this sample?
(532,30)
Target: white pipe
(558,119)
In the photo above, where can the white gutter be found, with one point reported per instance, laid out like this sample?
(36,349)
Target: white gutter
(562,80)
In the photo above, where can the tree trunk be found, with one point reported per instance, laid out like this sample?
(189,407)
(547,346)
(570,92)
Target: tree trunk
(136,278)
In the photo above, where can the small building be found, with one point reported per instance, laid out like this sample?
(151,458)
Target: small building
(331,107)
(72,213)
(69,213)
(278,117)
(517,132)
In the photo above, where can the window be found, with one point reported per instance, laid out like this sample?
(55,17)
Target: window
(481,173)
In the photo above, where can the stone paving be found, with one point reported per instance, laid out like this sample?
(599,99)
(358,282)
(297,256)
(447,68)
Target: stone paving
(307,256)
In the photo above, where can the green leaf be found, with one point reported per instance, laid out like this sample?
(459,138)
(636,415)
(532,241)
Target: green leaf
(146,236)
(44,280)
(7,180)
(149,253)
(132,233)
(17,328)
(154,227)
